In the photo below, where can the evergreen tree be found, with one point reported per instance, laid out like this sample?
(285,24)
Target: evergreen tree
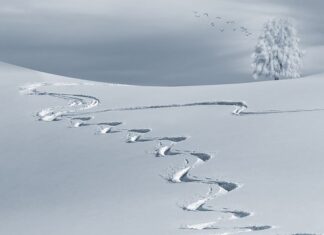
(277,54)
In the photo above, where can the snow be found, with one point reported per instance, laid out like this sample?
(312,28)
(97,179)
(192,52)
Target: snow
(118,41)
(277,54)
(266,160)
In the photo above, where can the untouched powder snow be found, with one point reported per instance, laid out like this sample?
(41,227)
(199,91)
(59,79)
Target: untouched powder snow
(84,158)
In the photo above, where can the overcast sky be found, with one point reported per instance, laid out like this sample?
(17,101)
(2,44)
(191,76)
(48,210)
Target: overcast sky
(152,42)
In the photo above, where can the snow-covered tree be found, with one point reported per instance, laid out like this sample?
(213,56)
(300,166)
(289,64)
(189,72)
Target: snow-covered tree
(277,54)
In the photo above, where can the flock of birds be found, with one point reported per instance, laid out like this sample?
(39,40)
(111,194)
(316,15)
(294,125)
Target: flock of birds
(220,23)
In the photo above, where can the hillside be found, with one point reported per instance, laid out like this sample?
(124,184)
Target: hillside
(81,157)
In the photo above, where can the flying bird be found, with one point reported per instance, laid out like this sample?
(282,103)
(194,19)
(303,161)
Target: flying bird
(230,22)
(196,14)
(234,28)
(243,28)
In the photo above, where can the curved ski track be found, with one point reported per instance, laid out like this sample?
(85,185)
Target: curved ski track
(74,113)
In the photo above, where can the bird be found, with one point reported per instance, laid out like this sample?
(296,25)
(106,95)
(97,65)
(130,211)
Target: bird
(196,14)
(230,22)
(243,28)
(234,28)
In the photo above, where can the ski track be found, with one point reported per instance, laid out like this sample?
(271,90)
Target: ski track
(132,138)
(174,139)
(178,175)
(237,214)
(74,113)
(270,112)
(131,135)
(102,128)
(240,106)
(215,225)
(109,123)
(199,205)
(183,176)
(141,131)
(202,156)
(76,102)
(306,234)
(82,118)
(163,150)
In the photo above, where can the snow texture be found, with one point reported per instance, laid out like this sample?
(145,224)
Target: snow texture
(277,54)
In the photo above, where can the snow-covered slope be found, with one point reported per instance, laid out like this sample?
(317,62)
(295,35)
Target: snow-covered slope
(83,158)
